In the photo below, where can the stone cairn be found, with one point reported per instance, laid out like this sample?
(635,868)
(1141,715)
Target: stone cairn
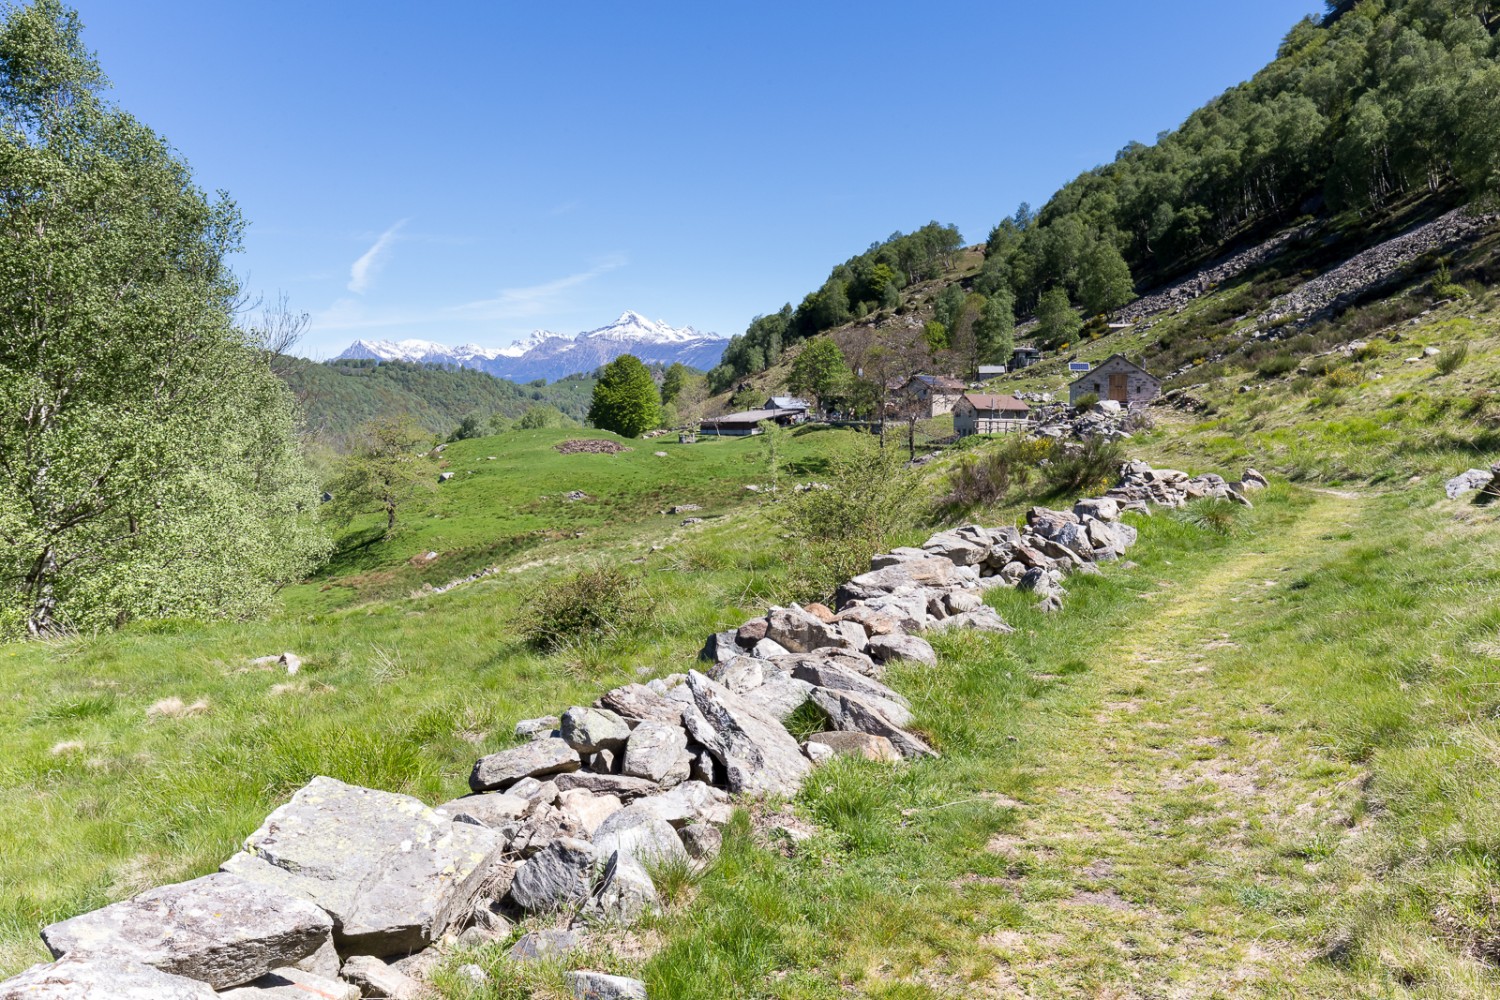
(347,892)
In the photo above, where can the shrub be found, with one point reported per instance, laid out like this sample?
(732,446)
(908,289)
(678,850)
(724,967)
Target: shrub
(1085,401)
(1214,515)
(1343,378)
(590,605)
(986,479)
(1444,287)
(1074,470)
(1277,364)
(1452,358)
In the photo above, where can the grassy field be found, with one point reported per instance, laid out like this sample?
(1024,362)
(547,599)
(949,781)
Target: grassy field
(1260,763)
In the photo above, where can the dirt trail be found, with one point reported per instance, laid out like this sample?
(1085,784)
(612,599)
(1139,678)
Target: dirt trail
(1171,840)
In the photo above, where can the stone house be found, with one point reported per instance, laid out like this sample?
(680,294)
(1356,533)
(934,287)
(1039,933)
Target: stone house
(932,395)
(986,413)
(1118,379)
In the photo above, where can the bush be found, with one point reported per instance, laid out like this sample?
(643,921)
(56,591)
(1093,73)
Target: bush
(1214,515)
(986,479)
(1452,359)
(871,500)
(1277,364)
(1076,470)
(590,605)
(1085,401)
(1343,378)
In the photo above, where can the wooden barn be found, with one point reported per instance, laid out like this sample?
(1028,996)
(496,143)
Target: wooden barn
(986,413)
(1118,379)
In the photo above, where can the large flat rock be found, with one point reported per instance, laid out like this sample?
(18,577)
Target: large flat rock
(536,759)
(393,873)
(220,929)
(104,978)
(294,984)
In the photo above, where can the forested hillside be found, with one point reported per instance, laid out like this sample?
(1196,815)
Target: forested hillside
(339,396)
(1362,112)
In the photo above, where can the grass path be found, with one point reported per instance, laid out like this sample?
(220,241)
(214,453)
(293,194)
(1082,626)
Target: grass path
(1176,825)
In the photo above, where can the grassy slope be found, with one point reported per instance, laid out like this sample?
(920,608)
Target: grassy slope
(1257,765)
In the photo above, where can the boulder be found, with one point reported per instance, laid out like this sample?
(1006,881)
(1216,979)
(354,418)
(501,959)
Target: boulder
(929,571)
(768,649)
(1474,479)
(536,759)
(110,977)
(535,792)
(625,892)
(751,632)
(638,703)
(392,873)
(637,832)
(531,729)
(849,713)
(621,785)
(691,801)
(599,986)
(957,549)
(295,984)
(377,979)
(896,556)
(801,632)
(853,744)
(657,753)
(740,674)
(1253,480)
(837,678)
(491,809)
(720,647)
(1099,510)
(872,621)
(780,695)
(561,874)
(702,841)
(542,945)
(759,756)
(986,619)
(589,730)
(886,648)
(220,929)
(586,809)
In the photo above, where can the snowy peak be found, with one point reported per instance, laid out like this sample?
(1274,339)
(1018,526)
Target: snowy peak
(545,354)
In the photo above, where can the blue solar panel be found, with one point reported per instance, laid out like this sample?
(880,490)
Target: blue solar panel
(1079,366)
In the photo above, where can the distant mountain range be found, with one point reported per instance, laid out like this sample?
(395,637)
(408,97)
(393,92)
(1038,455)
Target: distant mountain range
(553,355)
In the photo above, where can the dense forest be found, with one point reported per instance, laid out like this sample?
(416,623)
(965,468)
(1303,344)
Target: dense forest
(1377,102)
(338,397)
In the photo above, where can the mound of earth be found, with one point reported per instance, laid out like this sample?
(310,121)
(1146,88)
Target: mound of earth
(592,446)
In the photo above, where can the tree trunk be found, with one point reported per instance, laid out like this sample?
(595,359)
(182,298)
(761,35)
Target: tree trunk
(41,583)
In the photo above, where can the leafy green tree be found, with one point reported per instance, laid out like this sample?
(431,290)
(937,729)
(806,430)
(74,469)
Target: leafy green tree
(673,381)
(1105,283)
(387,472)
(471,426)
(542,416)
(997,326)
(625,398)
(820,371)
(1058,321)
(935,335)
(149,465)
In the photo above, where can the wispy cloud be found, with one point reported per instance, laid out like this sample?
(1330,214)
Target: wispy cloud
(362,272)
(533,300)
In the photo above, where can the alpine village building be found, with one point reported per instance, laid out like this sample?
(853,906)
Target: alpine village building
(1118,379)
(986,413)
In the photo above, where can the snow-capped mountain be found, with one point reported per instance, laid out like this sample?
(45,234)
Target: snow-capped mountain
(553,355)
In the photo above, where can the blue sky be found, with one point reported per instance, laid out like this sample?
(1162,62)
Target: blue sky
(469,172)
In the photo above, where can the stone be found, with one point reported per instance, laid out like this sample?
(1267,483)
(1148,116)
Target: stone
(751,632)
(599,986)
(536,728)
(323,962)
(587,809)
(821,612)
(720,647)
(545,944)
(986,619)
(220,929)
(903,554)
(1474,479)
(691,801)
(740,674)
(704,768)
(377,979)
(781,695)
(535,792)
(885,648)
(852,744)
(702,841)
(872,621)
(638,703)
(543,826)
(1253,480)
(295,984)
(606,762)
(443,477)
(471,973)
(818,753)
(957,549)
(491,809)
(621,785)
(559,875)
(392,873)
(768,648)
(656,752)
(837,678)
(109,977)
(961,601)
(849,713)
(1100,510)
(637,832)
(929,571)
(625,892)
(759,756)
(589,730)
(536,759)
(800,632)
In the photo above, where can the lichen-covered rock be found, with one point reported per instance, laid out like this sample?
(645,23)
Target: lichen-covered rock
(639,703)
(491,809)
(109,977)
(801,632)
(781,695)
(741,673)
(392,873)
(219,929)
(621,785)
(657,753)
(853,744)
(536,759)
(545,944)
(375,978)
(885,648)
(638,832)
(294,984)
(625,892)
(589,730)
(759,756)
(850,713)
(599,986)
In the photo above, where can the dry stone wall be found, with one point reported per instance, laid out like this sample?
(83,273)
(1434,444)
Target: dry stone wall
(351,892)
